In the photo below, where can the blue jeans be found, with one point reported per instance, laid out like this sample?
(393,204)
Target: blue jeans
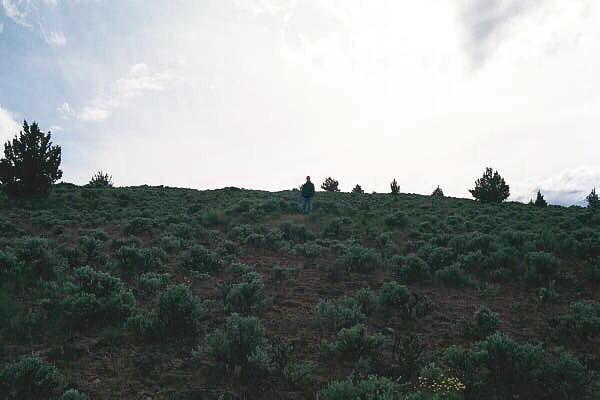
(306,205)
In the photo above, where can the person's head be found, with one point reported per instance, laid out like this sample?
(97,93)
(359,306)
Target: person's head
(308,179)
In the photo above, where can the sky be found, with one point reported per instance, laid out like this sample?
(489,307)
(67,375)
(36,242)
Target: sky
(260,93)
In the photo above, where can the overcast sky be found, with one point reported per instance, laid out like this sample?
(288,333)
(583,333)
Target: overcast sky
(261,93)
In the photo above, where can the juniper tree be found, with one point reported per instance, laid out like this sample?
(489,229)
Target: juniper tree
(357,189)
(540,201)
(30,164)
(490,188)
(100,180)
(592,200)
(394,187)
(330,185)
(438,192)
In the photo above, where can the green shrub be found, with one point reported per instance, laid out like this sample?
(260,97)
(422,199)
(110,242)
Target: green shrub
(139,226)
(170,243)
(592,270)
(295,233)
(360,259)
(241,232)
(504,257)
(92,297)
(145,325)
(183,231)
(484,323)
(367,300)
(241,343)
(583,320)
(502,368)
(179,311)
(299,374)
(30,379)
(353,342)
(407,355)
(453,276)
(179,314)
(334,315)
(410,269)
(73,394)
(280,274)
(548,294)
(135,260)
(435,381)
(397,220)
(246,296)
(10,266)
(541,263)
(309,249)
(437,257)
(152,282)
(480,241)
(372,388)
(212,218)
(91,248)
(338,228)
(128,241)
(201,259)
(37,258)
(393,295)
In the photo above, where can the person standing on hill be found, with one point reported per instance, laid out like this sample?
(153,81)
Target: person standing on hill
(308,191)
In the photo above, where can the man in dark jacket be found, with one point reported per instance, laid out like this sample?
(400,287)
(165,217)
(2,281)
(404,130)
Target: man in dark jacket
(308,191)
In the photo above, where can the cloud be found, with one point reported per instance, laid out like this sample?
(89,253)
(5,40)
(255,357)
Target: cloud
(8,126)
(138,81)
(93,114)
(56,39)
(485,23)
(17,10)
(65,110)
(31,13)
(569,187)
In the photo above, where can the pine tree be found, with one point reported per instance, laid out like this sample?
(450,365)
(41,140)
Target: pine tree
(438,192)
(31,163)
(490,188)
(330,185)
(540,201)
(357,189)
(394,187)
(592,200)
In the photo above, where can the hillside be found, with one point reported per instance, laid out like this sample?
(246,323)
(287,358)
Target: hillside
(167,293)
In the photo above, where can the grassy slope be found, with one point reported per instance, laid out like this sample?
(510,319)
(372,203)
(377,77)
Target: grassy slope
(108,362)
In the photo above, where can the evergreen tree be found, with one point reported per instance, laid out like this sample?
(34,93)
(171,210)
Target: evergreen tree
(394,187)
(438,192)
(330,185)
(592,200)
(540,201)
(490,188)
(30,164)
(101,180)
(357,189)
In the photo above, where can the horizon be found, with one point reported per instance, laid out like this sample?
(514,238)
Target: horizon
(318,189)
(262,93)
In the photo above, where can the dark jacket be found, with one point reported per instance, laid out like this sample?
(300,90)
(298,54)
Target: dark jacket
(308,189)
